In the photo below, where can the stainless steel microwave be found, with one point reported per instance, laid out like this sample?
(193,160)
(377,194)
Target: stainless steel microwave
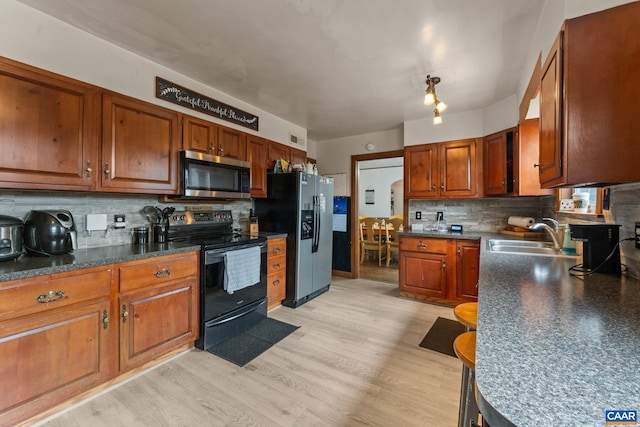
(204,176)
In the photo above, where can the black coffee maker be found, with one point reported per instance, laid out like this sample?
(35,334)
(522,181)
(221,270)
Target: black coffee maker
(598,242)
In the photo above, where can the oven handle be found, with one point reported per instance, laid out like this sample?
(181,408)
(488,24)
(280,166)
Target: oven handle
(243,312)
(217,255)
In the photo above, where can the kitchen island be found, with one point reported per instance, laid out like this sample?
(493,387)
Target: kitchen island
(554,349)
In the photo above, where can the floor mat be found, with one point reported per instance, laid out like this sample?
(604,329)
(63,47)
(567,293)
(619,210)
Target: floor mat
(248,345)
(441,336)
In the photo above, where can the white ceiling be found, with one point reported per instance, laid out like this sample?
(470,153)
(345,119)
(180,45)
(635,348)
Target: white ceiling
(335,67)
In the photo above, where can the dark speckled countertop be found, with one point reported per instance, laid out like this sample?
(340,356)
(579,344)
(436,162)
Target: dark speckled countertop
(28,266)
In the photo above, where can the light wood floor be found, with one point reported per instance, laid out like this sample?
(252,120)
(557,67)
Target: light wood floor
(355,361)
(369,269)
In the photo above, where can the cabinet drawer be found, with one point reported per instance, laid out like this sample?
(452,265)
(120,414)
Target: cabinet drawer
(276,264)
(416,244)
(140,274)
(39,294)
(276,247)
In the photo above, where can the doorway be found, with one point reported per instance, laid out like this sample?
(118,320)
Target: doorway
(375,190)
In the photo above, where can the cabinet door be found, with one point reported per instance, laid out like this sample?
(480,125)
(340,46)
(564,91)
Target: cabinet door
(156,320)
(276,271)
(467,270)
(199,135)
(139,146)
(550,161)
(424,274)
(458,169)
(495,155)
(421,171)
(298,157)
(48,130)
(49,358)
(257,151)
(528,155)
(231,143)
(278,151)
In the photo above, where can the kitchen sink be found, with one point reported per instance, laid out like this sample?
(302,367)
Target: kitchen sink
(526,247)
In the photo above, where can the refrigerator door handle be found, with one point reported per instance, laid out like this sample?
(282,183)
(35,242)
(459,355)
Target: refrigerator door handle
(316,225)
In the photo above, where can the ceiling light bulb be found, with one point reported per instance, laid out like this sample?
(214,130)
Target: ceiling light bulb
(436,118)
(440,106)
(429,98)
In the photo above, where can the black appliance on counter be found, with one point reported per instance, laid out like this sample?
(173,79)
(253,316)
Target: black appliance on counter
(10,237)
(600,247)
(222,314)
(50,232)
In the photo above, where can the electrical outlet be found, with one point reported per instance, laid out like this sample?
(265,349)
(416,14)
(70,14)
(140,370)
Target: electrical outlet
(439,216)
(119,221)
(418,215)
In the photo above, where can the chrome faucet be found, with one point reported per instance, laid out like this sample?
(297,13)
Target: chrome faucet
(551,231)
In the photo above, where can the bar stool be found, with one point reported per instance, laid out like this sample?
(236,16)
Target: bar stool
(467,314)
(465,348)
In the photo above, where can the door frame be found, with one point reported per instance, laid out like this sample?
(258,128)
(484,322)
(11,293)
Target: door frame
(355,237)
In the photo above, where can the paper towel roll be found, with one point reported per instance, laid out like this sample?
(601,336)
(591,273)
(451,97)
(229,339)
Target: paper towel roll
(521,221)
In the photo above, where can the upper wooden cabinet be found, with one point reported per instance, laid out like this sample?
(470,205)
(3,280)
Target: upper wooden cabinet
(199,135)
(589,101)
(446,169)
(526,168)
(140,143)
(277,151)
(231,143)
(298,157)
(48,130)
(257,151)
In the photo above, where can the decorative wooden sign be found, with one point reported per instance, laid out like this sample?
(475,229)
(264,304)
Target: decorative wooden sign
(187,98)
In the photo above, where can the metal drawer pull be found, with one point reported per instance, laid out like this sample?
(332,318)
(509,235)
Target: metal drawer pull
(165,272)
(422,245)
(125,313)
(276,265)
(275,282)
(105,319)
(50,297)
(276,249)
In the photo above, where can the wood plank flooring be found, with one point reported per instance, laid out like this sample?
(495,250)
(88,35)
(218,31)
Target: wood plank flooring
(369,269)
(355,361)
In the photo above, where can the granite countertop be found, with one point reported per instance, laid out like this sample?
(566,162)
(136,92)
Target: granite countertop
(28,266)
(467,235)
(554,349)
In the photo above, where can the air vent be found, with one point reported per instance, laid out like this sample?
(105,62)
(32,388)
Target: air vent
(293,139)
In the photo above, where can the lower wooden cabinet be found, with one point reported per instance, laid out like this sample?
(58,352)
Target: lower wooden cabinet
(439,270)
(276,271)
(55,340)
(66,333)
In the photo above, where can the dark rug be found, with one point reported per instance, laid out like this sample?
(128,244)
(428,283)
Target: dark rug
(441,336)
(248,345)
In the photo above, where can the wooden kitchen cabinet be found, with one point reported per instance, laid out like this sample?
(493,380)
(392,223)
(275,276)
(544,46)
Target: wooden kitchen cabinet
(257,152)
(49,130)
(277,151)
(140,144)
(157,306)
(589,101)
(500,157)
(276,271)
(467,270)
(439,270)
(298,157)
(199,135)
(56,339)
(231,143)
(444,170)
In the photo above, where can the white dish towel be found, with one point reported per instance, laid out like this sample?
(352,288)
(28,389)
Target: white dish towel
(241,268)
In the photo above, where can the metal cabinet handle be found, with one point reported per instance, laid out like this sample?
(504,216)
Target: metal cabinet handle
(459,252)
(276,249)
(89,169)
(444,265)
(276,266)
(165,272)
(433,187)
(105,319)
(106,170)
(125,313)
(442,186)
(422,245)
(50,296)
(275,282)
(536,165)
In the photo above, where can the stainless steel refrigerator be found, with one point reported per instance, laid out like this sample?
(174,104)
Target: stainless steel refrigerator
(301,205)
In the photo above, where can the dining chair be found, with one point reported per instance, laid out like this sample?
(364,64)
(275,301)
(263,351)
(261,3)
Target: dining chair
(371,239)
(392,240)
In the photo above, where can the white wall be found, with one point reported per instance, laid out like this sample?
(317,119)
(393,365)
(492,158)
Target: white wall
(334,156)
(37,39)
(454,126)
(379,180)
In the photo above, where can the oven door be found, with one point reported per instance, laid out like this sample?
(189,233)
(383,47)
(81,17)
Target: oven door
(223,315)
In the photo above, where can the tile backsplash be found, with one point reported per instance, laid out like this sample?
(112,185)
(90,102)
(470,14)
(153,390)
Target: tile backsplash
(19,203)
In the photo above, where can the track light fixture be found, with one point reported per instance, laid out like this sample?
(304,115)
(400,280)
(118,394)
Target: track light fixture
(430,98)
